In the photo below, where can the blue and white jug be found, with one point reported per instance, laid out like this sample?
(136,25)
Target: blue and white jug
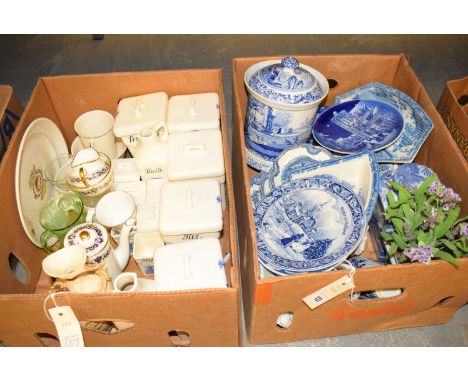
(283,100)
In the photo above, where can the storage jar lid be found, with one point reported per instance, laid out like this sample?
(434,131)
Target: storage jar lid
(192,264)
(193,112)
(287,82)
(136,113)
(192,206)
(195,155)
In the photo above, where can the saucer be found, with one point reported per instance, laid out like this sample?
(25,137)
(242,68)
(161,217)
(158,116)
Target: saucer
(77,146)
(308,225)
(41,144)
(417,124)
(356,126)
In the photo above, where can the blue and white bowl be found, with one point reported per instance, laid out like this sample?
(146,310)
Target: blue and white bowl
(283,99)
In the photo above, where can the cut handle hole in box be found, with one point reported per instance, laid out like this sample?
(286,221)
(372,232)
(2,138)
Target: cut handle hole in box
(463,100)
(107,326)
(18,268)
(285,320)
(443,302)
(332,83)
(47,339)
(179,338)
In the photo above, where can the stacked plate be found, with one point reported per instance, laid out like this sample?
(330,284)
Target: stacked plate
(308,225)
(416,123)
(311,208)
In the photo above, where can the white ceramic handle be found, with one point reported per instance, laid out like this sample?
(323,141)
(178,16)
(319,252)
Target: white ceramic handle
(90,215)
(187,267)
(189,199)
(138,107)
(193,106)
(194,148)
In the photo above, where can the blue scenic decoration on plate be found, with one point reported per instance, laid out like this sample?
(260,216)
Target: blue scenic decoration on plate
(355,126)
(255,183)
(295,160)
(308,225)
(387,173)
(412,175)
(417,124)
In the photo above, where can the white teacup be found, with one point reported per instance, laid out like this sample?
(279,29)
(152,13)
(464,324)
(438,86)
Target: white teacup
(115,208)
(95,129)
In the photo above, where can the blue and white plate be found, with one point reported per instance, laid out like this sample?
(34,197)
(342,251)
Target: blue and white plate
(387,173)
(360,125)
(296,160)
(417,124)
(360,171)
(412,175)
(307,225)
(255,189)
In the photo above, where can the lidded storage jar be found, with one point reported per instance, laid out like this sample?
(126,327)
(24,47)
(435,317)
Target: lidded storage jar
(190,209)
(283,100)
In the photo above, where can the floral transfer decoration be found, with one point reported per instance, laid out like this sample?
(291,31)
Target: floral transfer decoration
(37,183)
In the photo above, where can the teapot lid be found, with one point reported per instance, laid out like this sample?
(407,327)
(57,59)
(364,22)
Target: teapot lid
(92,237)
(286,82)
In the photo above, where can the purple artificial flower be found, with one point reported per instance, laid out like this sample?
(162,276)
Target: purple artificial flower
(437,188)
(450,196)
(461,229)
(420,254)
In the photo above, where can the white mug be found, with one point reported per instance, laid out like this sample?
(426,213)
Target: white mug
(95,129)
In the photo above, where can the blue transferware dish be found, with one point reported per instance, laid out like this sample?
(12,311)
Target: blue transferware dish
(387,173)
(308,225)
(355,126)
(255,183)
(417,124)
(360,171)
(257,162)
(297,159)
(283,99)
(265,185)
(412,175)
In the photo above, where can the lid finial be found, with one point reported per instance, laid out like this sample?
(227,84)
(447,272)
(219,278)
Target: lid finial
(290,62)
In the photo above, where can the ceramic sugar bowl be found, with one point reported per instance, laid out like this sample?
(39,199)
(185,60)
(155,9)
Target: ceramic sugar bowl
(90,175)
(284,97)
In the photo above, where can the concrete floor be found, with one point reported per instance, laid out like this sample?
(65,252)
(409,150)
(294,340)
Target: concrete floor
(435,59)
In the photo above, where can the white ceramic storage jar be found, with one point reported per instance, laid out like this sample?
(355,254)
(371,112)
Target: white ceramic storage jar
(190,210)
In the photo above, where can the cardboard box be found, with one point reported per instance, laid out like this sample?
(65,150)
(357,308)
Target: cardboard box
(453,106)
(209,317)
(432,293)
(10,113)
